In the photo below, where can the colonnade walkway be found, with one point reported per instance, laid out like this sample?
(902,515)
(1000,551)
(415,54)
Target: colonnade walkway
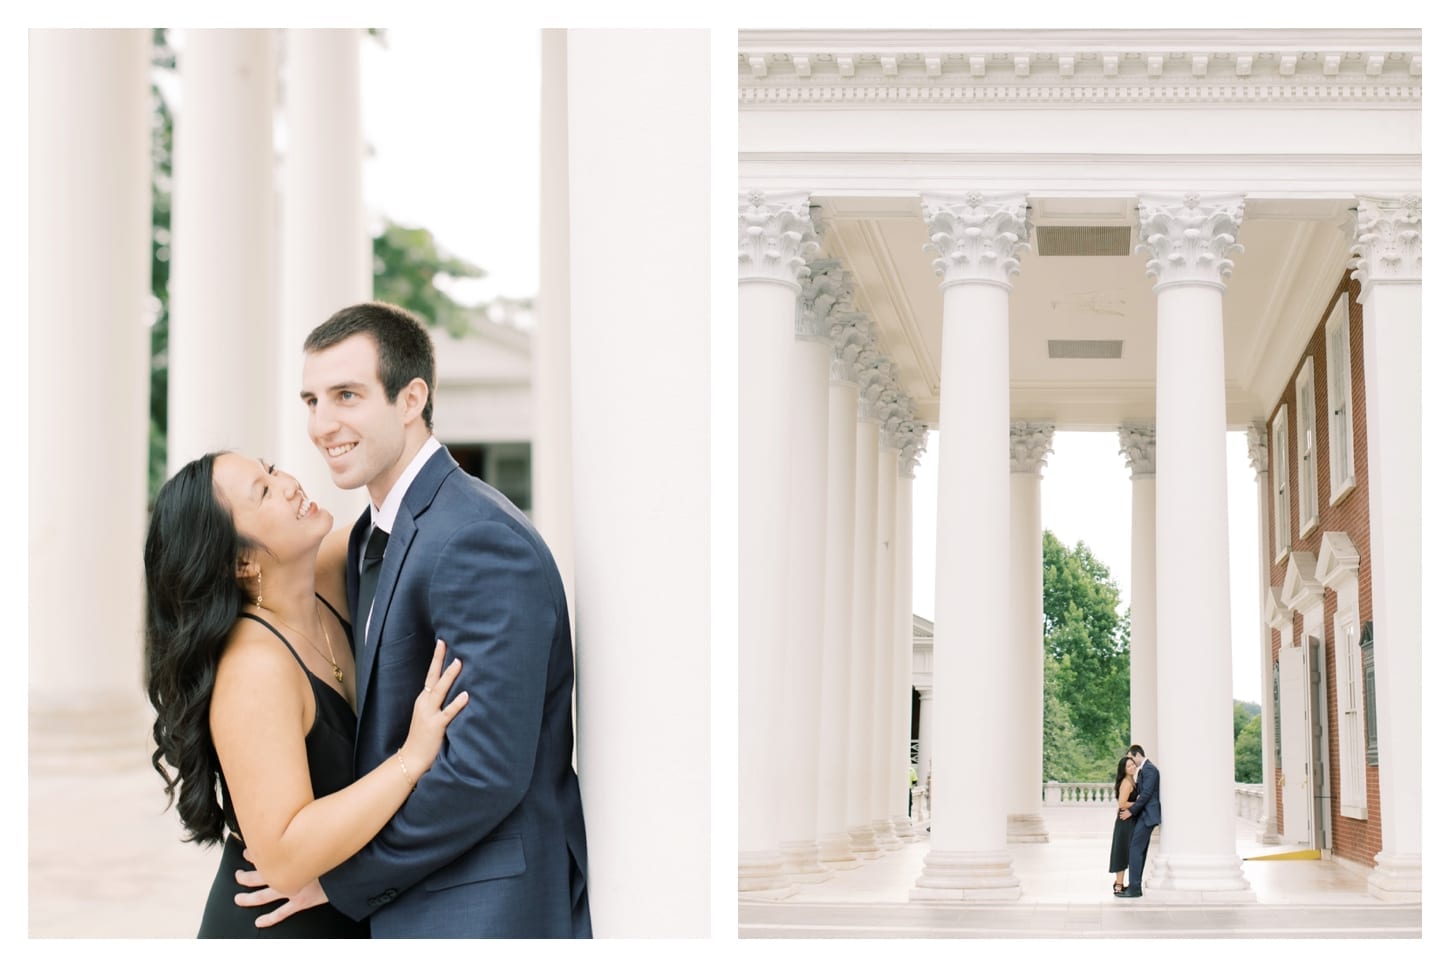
(1067,892)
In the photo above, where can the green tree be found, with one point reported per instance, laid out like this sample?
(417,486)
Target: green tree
(1086,666)
(163,59)
(407,266)
(1248,751)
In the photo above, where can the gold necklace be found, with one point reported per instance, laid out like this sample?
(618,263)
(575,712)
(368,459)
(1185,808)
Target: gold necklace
(330,657)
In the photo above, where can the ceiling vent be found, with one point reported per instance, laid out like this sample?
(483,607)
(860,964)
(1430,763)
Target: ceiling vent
(1083,239)
(1084,349)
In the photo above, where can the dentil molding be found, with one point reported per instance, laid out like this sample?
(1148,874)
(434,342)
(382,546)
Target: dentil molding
(1088,68)
(776,236)
(1138,443)
(1387,240)
(977,236)
(1189,238)
(1031,443)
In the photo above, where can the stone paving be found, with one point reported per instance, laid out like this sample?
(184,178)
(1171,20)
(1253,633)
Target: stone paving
(1067,892)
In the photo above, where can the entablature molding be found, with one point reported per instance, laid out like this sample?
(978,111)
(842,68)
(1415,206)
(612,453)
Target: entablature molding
(1090,67)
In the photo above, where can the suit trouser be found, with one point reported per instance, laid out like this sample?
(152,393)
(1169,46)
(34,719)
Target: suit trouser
(1138,854)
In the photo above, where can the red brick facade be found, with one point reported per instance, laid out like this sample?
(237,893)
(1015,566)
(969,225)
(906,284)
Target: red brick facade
(1354,839)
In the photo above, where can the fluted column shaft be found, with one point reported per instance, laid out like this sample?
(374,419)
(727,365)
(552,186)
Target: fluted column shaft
(1258,442)
(1138,445)
(325,260)
(1030,444)
(884,785)
(1388,265)
(900,710)
(88,256)
(977,240)
(808,428)
(1189,240)
(222,340)
(836,712)
(775,233)
(860,761)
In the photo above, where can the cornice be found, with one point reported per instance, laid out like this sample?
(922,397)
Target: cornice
(1110,67)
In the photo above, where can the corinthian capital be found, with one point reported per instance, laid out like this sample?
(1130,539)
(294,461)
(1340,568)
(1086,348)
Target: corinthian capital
(1031,443)
(825,293)
(912,437)
(873,374)
(852,334)
(1189,238)
(1139,445)
(1258,436)
(976,237)
(776,236)
(1387,240)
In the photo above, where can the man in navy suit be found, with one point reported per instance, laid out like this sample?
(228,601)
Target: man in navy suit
(1148,813)
(491,841)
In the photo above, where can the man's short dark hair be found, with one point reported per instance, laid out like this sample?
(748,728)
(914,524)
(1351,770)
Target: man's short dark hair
(1137,750)
(405,350)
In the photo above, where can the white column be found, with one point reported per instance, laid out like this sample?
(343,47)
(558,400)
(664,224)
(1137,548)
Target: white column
(908,441)
(637,187)
(1388,267)
(89,261)
(860,760)
(1030,445)
(1138,445)
(1258,443)
(552,392)
(775,238)
(222,339)
(884,786)
(325,259)
(977,239)
(849,334)
(1189,239)
(808,427)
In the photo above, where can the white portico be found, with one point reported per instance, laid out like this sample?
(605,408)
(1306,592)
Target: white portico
(1125,231)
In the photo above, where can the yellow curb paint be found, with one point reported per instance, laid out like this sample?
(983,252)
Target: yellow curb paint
(1303,854)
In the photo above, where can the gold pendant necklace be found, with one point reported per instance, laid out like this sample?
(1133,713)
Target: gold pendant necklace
(330,657)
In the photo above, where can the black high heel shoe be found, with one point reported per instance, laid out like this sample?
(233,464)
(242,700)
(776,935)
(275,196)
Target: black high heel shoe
(1119,889)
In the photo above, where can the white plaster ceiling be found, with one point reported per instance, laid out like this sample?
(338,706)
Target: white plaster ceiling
(1295,254)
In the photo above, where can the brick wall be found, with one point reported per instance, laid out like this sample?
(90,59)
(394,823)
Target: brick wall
(1354,839)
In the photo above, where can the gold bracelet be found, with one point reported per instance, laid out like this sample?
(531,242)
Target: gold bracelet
(404,766)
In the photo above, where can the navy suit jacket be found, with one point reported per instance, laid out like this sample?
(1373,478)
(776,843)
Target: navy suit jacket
(1146,807)
(491,842)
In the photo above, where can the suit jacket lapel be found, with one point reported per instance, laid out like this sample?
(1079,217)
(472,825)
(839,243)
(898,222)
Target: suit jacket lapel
(415,502)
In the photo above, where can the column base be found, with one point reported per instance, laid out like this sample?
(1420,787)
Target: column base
(885,834)
(834,852)
(957,876)
(1268,835)
(863,842)
(1396,878)
(1200,878)
(905,829)
(1026,828)
(801,862)
(762,875)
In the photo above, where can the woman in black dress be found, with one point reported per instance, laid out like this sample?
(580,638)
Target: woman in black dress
(1126,788)
(250,669)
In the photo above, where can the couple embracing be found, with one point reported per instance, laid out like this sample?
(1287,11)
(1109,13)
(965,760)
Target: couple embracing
(375,724)
(1138,813)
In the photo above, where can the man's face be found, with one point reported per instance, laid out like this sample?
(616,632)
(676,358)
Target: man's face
(359,433)
(1138,758)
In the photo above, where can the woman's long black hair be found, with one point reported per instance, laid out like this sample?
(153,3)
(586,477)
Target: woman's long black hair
(1122,774)
(192,601)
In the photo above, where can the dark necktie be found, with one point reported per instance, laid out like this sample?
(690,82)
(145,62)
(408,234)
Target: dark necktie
(372,563)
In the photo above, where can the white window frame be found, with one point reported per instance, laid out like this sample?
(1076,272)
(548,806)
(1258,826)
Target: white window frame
(1341,401)
(1306,448)
(1353,785)
(1279,447)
